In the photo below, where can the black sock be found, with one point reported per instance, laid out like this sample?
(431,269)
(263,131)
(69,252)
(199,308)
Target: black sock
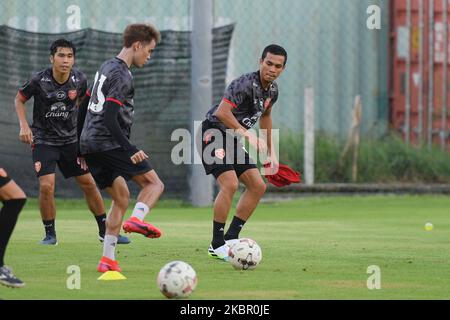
(217,240)
(49,226)
(101,222)
(8,218)
(234,229)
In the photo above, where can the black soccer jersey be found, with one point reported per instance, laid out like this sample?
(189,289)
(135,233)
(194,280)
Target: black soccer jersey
(113,82)
(55,106)
(248,98)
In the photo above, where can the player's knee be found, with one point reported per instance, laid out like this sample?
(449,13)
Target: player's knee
(47,188)
(122,203)
(155,184)
(160,186)
(230,187)
(122,199)
(19,193)
(260,188)
(87,185)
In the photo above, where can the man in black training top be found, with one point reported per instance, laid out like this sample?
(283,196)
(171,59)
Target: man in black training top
(105,145)
(247,99)
(53,134)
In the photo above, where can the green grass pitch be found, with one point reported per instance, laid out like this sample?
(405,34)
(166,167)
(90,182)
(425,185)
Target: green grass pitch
(313,248)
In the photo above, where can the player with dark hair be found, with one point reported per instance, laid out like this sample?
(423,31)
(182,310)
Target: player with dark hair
(13,199)
(247,99)
(53,134)
(105,144)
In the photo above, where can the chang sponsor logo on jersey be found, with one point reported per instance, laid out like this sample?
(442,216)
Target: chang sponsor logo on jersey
(58,110)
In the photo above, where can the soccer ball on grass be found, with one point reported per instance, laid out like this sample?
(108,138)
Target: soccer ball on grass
(245,254)
(177,279)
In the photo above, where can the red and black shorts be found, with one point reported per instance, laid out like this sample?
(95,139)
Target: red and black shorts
(223,152)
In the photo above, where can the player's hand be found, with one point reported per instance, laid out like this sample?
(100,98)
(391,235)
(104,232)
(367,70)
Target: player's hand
(257,143)
(138,157)
(25,135)
(274,165)
(82,163)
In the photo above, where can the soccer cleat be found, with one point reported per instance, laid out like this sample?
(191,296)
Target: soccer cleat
(133,224)
(49,240)
(231,242)
(107,264)
(220,253)
(120,240)
(7,278)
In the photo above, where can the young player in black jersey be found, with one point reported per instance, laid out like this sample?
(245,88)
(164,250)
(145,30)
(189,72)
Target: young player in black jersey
(53,134)
(13,199)
(247,99)
(105,145)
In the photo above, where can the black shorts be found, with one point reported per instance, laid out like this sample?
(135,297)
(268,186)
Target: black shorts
(106,166)
(225,155)
(46,157)
(4,181)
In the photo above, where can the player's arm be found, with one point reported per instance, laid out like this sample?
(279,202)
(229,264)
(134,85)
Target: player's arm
(110,121)
(265,123)
(25,135)
(225,114)
(82,103)
(82,110)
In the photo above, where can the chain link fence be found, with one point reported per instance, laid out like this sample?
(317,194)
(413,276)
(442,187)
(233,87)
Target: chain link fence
(330,49)
(330,44)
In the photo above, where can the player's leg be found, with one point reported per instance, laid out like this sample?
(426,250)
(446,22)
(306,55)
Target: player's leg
(120,199)
(215,146)
(94,200)
(13,199)
(254,191)
(45,158)
(92,195)
(96,206)
(228,185)
(69,167)
(47,208)
(151,189)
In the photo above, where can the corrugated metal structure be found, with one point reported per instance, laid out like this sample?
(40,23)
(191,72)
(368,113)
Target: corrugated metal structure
(419,87)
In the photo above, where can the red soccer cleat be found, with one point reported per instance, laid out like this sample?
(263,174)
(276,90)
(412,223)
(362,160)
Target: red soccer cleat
(133,224)
(107,264)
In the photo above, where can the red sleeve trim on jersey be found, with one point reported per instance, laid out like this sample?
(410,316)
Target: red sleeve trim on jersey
(229,102)
(114,100)
(88,93)
(22,97)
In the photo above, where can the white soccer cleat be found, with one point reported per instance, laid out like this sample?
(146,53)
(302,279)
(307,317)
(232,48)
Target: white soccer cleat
(231,242)
(220,253)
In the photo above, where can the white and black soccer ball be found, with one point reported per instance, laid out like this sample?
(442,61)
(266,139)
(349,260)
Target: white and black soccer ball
(245,254)
(177,279)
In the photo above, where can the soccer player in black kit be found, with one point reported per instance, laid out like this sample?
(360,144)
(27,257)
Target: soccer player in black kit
(247,99)
(105,144)
(53,134)
(13,199)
